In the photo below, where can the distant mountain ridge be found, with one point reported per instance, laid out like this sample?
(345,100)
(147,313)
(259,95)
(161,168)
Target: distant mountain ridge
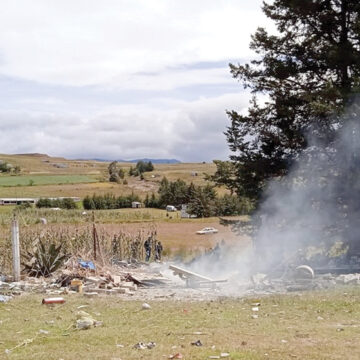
(154,161)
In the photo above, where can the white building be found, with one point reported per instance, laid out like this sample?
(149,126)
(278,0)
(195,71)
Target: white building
(17,201)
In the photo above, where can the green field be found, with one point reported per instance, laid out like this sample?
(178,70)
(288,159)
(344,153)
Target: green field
(33,180)
(312,325)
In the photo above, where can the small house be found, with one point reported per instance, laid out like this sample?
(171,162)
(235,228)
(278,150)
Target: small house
(136,204)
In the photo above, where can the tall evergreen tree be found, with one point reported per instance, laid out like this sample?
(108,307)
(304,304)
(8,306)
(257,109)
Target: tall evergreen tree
(309,71)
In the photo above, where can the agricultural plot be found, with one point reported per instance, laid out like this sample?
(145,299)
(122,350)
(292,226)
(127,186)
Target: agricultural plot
(86,177)
(34,180)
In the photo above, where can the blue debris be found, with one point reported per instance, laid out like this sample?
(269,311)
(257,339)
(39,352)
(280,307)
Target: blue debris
(86,264)
(4,299)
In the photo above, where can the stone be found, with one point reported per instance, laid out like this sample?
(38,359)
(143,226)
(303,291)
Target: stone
(91,294)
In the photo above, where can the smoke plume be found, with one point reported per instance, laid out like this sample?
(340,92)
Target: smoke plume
(311,216)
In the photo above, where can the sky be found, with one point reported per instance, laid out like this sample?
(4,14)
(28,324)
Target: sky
(122,79)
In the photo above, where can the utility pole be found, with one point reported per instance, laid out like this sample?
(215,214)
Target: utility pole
(15,248)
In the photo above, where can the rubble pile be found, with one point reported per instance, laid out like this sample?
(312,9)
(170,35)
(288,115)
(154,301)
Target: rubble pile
(153,281)
(292,282)
(91,281)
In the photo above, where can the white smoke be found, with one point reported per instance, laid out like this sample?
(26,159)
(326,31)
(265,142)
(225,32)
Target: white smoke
(311,216)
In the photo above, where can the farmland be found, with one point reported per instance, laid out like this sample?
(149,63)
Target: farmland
(35,180)
(41,176)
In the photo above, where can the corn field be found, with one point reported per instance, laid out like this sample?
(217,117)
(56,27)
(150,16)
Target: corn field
(78,241)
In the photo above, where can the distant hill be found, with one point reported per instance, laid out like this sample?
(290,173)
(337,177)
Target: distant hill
(154,161)
(32,154)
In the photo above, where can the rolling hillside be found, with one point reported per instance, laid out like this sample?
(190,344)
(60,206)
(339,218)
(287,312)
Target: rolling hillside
(45,176)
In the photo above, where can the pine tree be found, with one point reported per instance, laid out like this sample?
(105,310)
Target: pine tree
(309,71)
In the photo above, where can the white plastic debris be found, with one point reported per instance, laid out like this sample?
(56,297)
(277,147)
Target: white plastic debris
(143,346)
(146,306)
(304,272)
(85,321)
(4,298)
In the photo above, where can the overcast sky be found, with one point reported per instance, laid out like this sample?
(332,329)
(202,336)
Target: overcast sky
(122,79)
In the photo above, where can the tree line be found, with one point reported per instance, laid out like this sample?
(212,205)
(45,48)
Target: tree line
(109,201)
(201,201)
(66,203)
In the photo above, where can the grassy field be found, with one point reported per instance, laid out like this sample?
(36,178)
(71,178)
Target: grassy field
(315,325)
(78,216)
(34,180)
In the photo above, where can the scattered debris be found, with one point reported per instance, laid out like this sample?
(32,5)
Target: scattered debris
(193,279)
(55,300)
(86,264)
(197,343)
(143,346)
(76,285)
(176,356)
(304,272)
(4,298)
(23,343)
(85,321)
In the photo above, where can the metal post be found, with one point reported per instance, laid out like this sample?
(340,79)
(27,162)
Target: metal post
(15,248)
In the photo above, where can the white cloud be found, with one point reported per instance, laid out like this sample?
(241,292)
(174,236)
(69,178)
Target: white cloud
(102,42)
(190,131)
(121,78)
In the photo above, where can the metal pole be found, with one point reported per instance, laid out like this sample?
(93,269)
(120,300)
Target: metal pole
(15,248)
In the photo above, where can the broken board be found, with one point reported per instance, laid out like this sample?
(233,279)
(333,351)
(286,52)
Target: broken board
(193,279)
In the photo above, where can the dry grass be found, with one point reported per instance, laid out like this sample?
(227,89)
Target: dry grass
(288,327)
(178,236)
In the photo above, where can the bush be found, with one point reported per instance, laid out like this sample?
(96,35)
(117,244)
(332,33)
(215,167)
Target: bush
(232,205)
(109,201)
(66,203)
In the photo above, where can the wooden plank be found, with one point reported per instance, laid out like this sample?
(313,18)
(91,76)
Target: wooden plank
(187,274)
